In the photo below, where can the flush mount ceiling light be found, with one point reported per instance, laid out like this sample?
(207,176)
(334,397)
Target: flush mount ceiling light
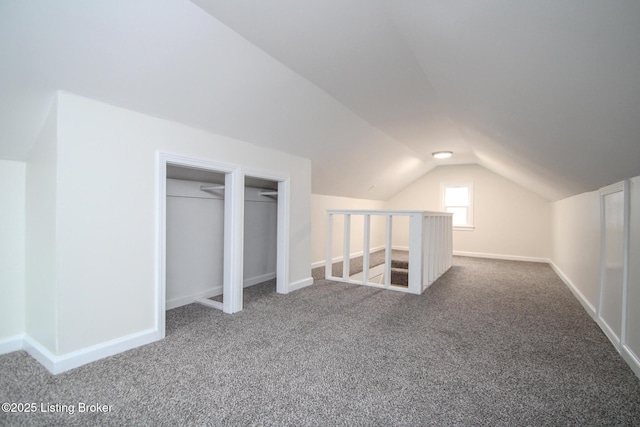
(442,154)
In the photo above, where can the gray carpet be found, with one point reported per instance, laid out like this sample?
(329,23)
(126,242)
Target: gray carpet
(494,343)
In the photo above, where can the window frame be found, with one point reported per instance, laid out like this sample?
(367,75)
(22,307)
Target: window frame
(469,226)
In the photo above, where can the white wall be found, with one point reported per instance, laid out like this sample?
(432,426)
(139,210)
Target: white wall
(12,248)
(577,251)
(319,206)
(509,220)
(41,297)
(576,244)
(106,215)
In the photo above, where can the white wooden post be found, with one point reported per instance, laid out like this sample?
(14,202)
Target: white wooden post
(346,246)
(233,242)
(365,248)
(415,253)
(328,249)
(387,253)
(439,248)
(450,239)
(425,251)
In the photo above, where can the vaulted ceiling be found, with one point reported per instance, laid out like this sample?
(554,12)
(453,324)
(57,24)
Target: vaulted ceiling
(545,93)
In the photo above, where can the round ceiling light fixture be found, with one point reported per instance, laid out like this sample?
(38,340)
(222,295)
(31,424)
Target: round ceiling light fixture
(442,154)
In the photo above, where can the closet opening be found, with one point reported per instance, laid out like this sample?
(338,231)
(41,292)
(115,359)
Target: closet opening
(260,238)
(209,243)
(195,222)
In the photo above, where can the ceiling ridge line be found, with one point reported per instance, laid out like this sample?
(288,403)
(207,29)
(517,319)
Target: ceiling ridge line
(404,36)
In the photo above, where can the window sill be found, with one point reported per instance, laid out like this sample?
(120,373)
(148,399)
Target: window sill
(463,228)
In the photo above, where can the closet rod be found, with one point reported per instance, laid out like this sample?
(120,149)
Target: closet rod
(268,193)
(211,187)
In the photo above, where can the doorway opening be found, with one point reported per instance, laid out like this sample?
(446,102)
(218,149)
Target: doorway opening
(267,194)
(260,238)
(194,236)
(219,184)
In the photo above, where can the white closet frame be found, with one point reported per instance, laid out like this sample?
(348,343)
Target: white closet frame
(233,230)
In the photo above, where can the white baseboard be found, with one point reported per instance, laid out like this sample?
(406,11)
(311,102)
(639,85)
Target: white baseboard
(188,299)
(215,291)
(627,354)
(458,253)
(300,284)
(321,263)
(258,279)
(58,364)
(210,303)
(609,333)
(11,344)
(632,359)
(576,292)
(501,256)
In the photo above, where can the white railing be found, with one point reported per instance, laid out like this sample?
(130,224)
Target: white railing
(430,248)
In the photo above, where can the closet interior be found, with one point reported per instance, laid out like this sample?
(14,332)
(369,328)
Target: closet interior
(195,221)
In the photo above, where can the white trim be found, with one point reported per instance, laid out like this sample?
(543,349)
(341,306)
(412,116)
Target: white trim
(258,279)
(625,260)
(188,299)
(622,186)
(58,364)
(283,223)
(11,344)
(233,281)
(303,283)
(283,227)
(456,253)
(627,354)
(463,228)
(589,308)
(632,359)
(610,333)
(160,293)
(210,303)
(366,243)
(328,245)
(233,258)
(164,159)
(234,214)
(215,291)
(385,212)
(469,226)
(501,256)
(346,245)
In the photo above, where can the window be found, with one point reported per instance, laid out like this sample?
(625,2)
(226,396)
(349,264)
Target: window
(458,199)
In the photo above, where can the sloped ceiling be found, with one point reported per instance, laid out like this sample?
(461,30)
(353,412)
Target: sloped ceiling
(545,93)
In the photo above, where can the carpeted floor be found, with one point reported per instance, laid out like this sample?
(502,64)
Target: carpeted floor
(494,343)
